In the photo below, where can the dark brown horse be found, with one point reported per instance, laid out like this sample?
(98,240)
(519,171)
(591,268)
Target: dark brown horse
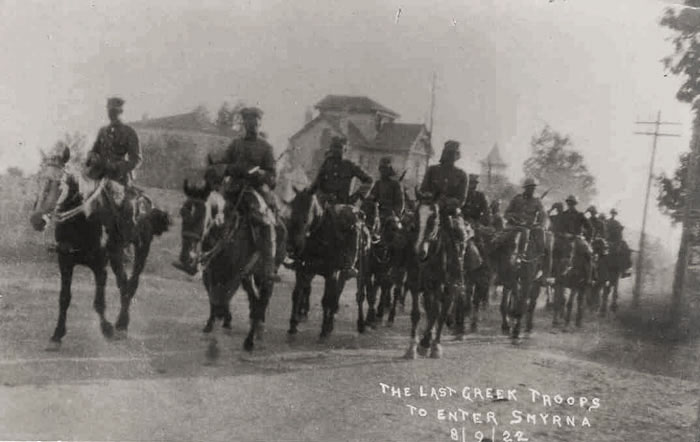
(230,259)
(79,238)
(313,240)
(439,267)
(573,264)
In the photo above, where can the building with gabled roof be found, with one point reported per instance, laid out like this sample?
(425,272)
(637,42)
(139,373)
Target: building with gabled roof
(176,147)
(372,133)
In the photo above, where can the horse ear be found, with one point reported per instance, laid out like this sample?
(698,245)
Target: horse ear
(296,191)
(66,155)
(185,185)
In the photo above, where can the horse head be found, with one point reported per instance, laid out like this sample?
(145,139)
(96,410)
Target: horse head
(427,218)
(50,186)
(305,213)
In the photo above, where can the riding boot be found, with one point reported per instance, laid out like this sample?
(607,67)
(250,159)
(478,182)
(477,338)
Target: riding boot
(350,254)
(268,246)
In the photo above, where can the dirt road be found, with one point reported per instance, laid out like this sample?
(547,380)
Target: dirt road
(159,385)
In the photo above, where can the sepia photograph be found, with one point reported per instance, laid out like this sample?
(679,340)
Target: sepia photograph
(314,220)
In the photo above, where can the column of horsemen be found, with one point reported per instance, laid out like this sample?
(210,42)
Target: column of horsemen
(574,249)
(448,247)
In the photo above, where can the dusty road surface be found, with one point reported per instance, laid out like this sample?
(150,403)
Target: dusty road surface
(159,384)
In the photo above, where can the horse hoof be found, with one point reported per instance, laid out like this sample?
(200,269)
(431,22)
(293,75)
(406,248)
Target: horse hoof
(213,352)
(505,329)
(436,351)
(389,323)
(248,344)
(227,325)
(107,330)
(260,333)
(473,327)
(54,344)
(361,327)
(209,327)
(292,331)
(423,351)
(459,336)
(410,353)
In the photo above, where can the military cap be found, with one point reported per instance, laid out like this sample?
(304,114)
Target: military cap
(385,162)
(451,145)
(527,182)
(613,211)
(338,141)
(593,210)
(251,112)
(571,199)
(473,177)
(115,103)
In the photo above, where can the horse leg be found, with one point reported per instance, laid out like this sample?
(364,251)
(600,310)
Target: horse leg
(259,301)
(327,304)
(65,265)
(396,295)
(372,288)
(569,307)
(559,301)
(212,317)
(505,295)
(140,255)
(360,297)
(602,312)
(580,301)
(432,310)
(415,318)
(116,261)
(532,305)
(100,273)
(461,309)
(444,307)
(481,294)
(613,305)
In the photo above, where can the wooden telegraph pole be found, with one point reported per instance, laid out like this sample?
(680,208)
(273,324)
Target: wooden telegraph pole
(637,291)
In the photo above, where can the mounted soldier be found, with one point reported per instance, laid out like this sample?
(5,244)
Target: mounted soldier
(526,212)
(387,191)
(598,225)
(332,187)
(476,207)
(250,161)
(446,184)
(114,156)
(618,244)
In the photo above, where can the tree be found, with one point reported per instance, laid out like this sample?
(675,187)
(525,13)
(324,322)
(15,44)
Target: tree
(229,118)
(15,172)
(685,60)
(672,190)
(559,168)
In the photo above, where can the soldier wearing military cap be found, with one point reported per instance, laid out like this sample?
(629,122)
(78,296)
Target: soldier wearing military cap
(476,206)
(332,187)
(574,222)
(115,155)
(446,184)
(387,191)
(526,211)
(614,228)
(598,226)
(251,160)
(116,152)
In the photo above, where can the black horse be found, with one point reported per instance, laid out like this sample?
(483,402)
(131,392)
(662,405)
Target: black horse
(80,240)
(314,242)
(230,258)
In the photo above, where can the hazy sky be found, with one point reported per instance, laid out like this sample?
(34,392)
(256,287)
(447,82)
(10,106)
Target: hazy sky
(589,68)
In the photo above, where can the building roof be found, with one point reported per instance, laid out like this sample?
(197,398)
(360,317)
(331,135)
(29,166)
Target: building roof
(190,122)
(397,136)
(353,103)
(312,123)
(355,136)
(494,157)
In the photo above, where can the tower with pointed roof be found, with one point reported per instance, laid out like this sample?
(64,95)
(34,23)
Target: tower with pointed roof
(493,168)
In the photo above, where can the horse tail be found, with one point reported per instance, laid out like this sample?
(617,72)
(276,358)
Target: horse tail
(160,221)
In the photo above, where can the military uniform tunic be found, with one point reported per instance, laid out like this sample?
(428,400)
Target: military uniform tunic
(476,207)
(335,177)
(574,222)
(244,154)
(388,193)
(529,211)
(113,143)
(447,184)
(614,229)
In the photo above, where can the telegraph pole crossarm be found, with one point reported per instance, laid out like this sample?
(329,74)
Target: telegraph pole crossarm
(637,291)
